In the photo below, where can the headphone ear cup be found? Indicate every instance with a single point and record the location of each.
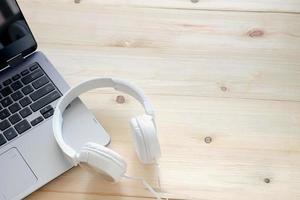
(145, 139)
(138, 139)
(104, 161)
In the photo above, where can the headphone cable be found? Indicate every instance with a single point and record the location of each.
(146, 184)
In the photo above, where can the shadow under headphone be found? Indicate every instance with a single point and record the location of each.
(98, 157)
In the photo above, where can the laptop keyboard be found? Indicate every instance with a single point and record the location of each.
(22, 95)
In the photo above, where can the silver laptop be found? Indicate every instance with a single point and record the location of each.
(29, 89)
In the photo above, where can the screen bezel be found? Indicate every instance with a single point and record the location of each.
(21, 46)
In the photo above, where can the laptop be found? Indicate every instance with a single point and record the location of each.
(29, 89)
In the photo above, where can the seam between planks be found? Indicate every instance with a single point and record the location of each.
(102, 194)
(204, 96)
(204, 9)
(214, 10)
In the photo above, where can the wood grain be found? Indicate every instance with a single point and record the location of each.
(252, 55)
(292, 6)
(232, 76)
(252, 140)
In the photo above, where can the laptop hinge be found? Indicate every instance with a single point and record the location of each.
(16, 60)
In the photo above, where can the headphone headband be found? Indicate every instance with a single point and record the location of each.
(85, 86)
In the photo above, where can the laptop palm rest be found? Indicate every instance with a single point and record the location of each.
(15, 174)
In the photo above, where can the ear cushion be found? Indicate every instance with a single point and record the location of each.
(139, 141)
(103, 160)
(145, 139)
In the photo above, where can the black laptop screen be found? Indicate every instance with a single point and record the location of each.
(15, 35)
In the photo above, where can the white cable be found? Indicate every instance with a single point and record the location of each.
(145, 183)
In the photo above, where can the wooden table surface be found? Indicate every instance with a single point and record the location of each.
(227, 71)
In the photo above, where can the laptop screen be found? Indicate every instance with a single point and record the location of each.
(15, 35)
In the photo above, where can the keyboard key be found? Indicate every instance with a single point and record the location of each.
(10, 134)
(42, 91)
(25, 112)
(36, 121)
(14, 108)
(6, 102)
(34, 67)
(17, 95)
(31, 77)
(7, 82)
(25, 101)
(16, 85)
(45, 101)
(24, 72)
(2, 140)
(40, 82)
(46, 109)
(27, 89)
(6, 91)
(22, 126)
(48, 114)
(4, 125)
(16, 77)
(14, 118)
(4, 114)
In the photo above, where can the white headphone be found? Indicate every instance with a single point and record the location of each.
(98, 157)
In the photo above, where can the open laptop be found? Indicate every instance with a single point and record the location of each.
(29, 89)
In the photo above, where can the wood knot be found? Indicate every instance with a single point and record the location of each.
(120, 99)
(223, 88)
(194, 1)
(207, 140)
(255, 33)
(267, 180)
(77, 1)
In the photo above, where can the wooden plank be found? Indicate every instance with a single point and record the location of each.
(224, 5)
(251, 140)
(231, 76)
(223, 54)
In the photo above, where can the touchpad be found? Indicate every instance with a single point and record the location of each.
(15, 174)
